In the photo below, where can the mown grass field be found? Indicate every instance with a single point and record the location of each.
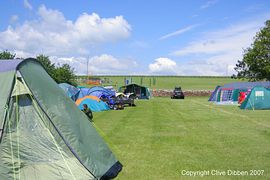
(169, 82)
(160, 137)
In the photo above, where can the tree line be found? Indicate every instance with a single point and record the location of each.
(60, 73)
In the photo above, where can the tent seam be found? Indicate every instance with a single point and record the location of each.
(17, 123)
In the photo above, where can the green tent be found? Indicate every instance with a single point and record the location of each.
(43, 134)
(140, 91)
(258, 98)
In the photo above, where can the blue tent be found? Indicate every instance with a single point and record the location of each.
(96, 91)
(83, 92)
(70, 90)
(94, 105)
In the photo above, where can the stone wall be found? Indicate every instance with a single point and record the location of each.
(168, 93)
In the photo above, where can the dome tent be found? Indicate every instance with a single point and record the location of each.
(93, 102)
(97, 91)
(43, 132)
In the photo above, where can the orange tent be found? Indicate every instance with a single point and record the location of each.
(91, 97)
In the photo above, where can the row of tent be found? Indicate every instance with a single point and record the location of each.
(43, 134)
(92, 96)
(74, 93)
(89, 96)
(257, 94)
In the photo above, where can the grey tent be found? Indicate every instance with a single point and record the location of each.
(43, 134)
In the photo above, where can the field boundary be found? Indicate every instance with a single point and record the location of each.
(168, 93)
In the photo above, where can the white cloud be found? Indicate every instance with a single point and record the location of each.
(107, 64)
(219, 50)
(233, 38)
(27, 5)
(52, 34)
(166, 66)
(163, 66)
(78, 63)
(208, 4)
(178, 32)
(98, 65)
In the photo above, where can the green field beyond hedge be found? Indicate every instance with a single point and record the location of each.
(159, 138)
(168, 82)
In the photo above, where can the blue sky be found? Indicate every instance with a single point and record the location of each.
(202, 37)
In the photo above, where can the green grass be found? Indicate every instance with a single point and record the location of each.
(164, 82)
(160, 137)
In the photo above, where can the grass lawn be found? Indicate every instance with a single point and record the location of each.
(160, 137)
(164, 82)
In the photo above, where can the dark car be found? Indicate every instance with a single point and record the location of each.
(178, 93)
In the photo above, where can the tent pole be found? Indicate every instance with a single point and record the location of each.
(17, 124)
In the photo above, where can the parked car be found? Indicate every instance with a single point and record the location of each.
(178, 93)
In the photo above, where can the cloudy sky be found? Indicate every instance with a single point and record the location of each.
(164, 37)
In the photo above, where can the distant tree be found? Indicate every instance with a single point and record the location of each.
(6, 55)
(48, 65)
(255, 64)
(61, 74)
(65, 73)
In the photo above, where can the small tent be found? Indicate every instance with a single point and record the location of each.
(140, 91)
(43, 133)
(258, 98)
(70, 90)
(93, 102)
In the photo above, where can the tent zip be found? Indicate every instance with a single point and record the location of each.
(57, 130)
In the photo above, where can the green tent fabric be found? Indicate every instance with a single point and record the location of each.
(258, 98)
(43, 134)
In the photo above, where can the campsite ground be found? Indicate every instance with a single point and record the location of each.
(159, 138)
